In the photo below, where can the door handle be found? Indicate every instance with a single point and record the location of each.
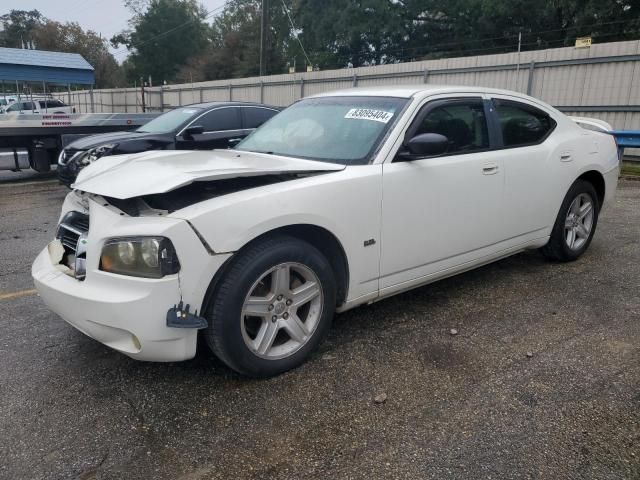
(490, 169)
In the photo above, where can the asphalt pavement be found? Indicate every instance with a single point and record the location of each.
(541, 381)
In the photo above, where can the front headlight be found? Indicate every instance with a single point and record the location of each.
(148, 257)
(94, 154)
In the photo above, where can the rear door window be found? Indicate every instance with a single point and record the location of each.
(521, 124)
(220, 119)
(255, 116)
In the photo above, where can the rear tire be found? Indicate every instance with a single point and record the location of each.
(575, 225)
(272, 308)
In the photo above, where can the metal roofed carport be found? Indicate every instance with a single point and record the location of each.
(39, 66)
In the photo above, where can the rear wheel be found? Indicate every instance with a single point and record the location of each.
(272, 308)
(576, 223)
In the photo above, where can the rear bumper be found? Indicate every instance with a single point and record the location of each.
(125, 313)
(610, 186)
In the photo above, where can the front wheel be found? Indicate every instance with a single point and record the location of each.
(273, 307)
(576, 223)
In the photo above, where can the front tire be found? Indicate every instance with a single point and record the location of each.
(576, 224)
(272, 308)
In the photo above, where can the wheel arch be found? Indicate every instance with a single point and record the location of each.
(321, 238)
(596, 179)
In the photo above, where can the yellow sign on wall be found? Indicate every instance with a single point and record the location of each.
(583, 42)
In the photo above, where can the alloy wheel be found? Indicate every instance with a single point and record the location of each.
(579, 222)
(281, 311)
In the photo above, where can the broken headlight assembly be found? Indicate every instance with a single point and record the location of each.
(94, 154)
(147, 257)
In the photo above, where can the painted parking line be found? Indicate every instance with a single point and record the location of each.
(14, 295)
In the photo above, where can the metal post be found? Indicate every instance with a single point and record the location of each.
(180, 97)
(201, 94)
(113, 108)
(161, 98)
(425, 76)
(44, 91)
(93, 107)
(144, 107)
(532, 68)
(261, 91)
(302, 88)
(355, 80)
(230, 93)
(69, 93)
(125, 101)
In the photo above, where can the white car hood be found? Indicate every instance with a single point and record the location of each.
(128, 176)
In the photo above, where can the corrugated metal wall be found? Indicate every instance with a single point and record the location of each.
(602, 81)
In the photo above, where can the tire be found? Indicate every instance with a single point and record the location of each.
(289, 328)
(564, 246)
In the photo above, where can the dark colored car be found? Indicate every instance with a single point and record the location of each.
(202, 126)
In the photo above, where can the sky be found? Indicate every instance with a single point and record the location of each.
(106, 17)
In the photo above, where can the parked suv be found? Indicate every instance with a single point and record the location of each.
(39, 106)
(202, 126)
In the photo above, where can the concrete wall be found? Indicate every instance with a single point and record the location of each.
(602, 81)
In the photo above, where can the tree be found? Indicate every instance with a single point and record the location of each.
(17, 27)
(164, 37)
(234, 50)
(338, 33)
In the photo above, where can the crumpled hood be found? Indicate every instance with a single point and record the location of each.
(128, 176)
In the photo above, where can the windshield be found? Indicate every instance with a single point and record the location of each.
(170, 121)
(344, 130)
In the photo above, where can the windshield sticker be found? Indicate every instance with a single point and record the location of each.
(369, 114)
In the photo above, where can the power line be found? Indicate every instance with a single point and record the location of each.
(295, 33)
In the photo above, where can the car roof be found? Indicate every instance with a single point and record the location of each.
(423, 91)
(409, 91)
(205, 105)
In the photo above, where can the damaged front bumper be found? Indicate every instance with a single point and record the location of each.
(129, 314)
(126, 314)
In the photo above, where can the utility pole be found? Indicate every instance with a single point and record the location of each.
(264, 29)
(519, 51)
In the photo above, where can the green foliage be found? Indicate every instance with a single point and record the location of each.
(17, 27)
(164, 37)
(173, 40)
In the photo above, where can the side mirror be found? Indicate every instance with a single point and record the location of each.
(425, 145)
(189, 132)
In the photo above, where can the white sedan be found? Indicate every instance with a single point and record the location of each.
(342, 199)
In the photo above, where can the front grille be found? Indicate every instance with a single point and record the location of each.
(73, 225)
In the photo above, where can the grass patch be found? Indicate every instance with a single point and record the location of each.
(631, 168)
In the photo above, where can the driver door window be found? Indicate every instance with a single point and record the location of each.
(462, 122)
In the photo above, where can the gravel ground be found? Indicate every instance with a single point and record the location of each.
(542, 380)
